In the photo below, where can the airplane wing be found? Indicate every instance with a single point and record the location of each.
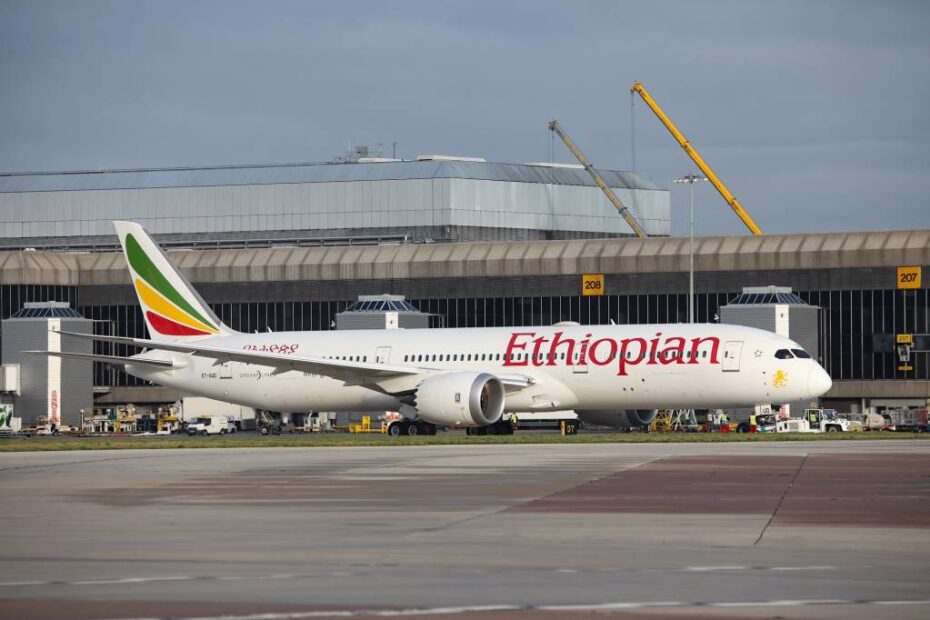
(110, 359)
(390, 377)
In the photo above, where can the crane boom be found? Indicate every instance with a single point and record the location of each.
(611, 196)
(693, 154)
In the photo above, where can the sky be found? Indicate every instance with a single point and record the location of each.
(814, 113)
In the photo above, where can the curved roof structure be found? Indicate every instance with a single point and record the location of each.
(814, 251)
(274, 174)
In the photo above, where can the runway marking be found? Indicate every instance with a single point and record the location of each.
(608, 606)
(297, 576)
(593, 607)
(787, 603)
(707, 569)
(124, 580)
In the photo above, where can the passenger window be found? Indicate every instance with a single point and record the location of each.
(783, 354)
(801, 353)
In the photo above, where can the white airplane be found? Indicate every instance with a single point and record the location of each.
(609, 374)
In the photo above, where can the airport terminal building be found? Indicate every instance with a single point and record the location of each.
(472, 243)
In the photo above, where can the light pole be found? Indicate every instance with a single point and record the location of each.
(690, 179)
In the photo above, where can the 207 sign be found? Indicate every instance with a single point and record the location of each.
(909, 277)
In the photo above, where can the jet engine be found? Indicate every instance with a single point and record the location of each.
(624, 418)
(465, 399)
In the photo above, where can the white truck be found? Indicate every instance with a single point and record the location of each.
(211, 425)
(814, 421)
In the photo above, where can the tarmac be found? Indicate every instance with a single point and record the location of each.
(837, 529)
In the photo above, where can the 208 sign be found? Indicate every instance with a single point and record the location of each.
(592, 284)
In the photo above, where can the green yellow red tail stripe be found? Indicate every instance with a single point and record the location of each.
(168, 327)
(165, 309)
(168, 313)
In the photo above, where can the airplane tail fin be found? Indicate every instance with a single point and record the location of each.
(172, 308)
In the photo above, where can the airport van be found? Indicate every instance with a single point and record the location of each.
(211, 425)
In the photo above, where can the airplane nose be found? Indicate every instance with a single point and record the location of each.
(818, 381)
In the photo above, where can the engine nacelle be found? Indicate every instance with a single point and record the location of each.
(624, 418)
(465, 399)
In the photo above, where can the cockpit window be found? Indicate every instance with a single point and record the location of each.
(783, 354)
(801, 353)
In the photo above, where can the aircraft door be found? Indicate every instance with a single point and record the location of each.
(382, 355)
(731, 355)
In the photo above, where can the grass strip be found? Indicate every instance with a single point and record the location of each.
(344, 440)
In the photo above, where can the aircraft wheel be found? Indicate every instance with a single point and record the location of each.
(394, 429)
(413, 429)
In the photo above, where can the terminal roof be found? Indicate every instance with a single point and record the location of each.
(271, 174)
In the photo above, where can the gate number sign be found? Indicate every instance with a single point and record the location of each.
(592, 284)
(909, 277)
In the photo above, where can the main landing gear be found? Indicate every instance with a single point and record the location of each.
(411, 428)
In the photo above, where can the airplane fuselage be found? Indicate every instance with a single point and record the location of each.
(603, 367)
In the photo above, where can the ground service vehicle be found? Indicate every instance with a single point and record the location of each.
(814, 421)
(211, 425)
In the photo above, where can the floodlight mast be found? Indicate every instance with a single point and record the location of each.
(690, 180)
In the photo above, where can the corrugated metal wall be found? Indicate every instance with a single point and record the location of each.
(76, 391)
(353, 205)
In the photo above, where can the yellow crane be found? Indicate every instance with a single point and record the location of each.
(611, 196)
(693, 154)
